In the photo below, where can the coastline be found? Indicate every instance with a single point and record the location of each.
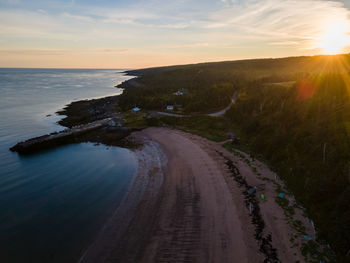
(95, 109)
(52, 201)
(182, 209)
(145, 187)
(168, 213)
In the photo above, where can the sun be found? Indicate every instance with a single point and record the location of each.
(335, 38)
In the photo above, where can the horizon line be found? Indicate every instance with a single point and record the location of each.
(173, 65)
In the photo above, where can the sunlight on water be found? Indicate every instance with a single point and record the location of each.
(53, 202)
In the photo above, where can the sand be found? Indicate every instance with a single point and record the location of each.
(184, 206)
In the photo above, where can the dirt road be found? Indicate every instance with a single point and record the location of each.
(222, 112)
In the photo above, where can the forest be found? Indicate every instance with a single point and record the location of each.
(293, 113)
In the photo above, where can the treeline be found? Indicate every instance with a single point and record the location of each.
(303, 132)
(293, 112)
(210, 86)
(202, 90)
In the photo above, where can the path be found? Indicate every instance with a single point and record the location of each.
(222, 112)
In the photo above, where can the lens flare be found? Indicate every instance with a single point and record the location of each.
(335, 38)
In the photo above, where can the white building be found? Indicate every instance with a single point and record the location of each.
(170, 107)
(135, 110)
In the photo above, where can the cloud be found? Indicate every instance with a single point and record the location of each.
(77, 17)
(284, 43)
(115, 50)
(191, 45)
(299, 20)
(12, 2)
(42, 11)
(205, 28)
(55, 52)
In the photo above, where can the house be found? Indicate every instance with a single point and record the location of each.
(116, 123)
(170, 107)
(181, 92)
(112, 123)
(135, 110)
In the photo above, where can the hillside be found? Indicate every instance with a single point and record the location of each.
(211, 85)
(294, 113)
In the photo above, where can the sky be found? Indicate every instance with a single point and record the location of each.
(146, 33)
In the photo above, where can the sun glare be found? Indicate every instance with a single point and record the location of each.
(335, 38)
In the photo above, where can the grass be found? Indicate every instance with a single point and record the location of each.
(287, 111)
(212, 128)
(135, 120)
(311, 250)
(313, 253)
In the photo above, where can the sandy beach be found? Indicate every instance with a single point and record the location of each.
(184, 206)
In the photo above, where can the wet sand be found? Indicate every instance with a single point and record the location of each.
(184, 206)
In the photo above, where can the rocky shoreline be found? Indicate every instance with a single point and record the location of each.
(86, 111)
(95, 121)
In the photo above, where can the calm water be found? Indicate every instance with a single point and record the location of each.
(51, 203)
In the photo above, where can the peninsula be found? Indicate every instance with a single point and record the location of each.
(242, 161)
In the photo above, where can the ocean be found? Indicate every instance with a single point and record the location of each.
(52, 203)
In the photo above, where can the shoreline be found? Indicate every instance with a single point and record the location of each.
(135, 232)
(170, 213)
(146, 183)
